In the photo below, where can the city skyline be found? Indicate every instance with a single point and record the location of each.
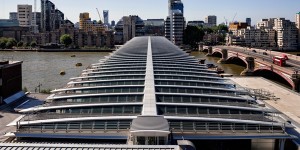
(194, 9)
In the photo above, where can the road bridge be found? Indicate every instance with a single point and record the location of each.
(255, 64)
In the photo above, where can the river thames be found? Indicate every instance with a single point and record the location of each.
(45, 67)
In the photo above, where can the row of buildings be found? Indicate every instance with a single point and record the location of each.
(273, 33)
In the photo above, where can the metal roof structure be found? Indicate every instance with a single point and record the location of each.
(150, 87)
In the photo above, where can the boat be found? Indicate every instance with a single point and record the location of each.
(62, 72)
(78, 64)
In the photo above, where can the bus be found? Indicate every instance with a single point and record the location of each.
(280, 61)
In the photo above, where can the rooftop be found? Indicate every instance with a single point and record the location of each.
(150, 87)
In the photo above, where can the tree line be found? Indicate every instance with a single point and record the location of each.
(194, 34)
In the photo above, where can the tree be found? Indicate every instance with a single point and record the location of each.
(192, 35)
(3, 42)
(20, 44)
(11, 42)
(66, 40)
(33, 44)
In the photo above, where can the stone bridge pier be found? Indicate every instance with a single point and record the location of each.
(210, 51)
(296, 79)
(201, 47)
(250, 67)
(224, 58)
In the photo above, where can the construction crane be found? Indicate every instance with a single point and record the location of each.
(226, 21)
(234, 17)
(99, 15)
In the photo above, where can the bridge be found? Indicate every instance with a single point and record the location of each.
(255, 65)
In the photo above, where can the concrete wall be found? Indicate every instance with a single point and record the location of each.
(263, 144)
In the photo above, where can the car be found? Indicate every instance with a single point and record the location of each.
(254, 51)
(265, 53)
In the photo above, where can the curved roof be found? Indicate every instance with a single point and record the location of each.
(172, 89)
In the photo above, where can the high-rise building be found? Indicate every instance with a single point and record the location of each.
(106, 17)
(51, 18)
(47, 15)
(36, 21)
(298, 27)
(174, 24)
(129, 27)
(211, 20)
(248, 21)
(286, 34)
(155, 27)
(13, 15)
(113, 23)
(25, 15)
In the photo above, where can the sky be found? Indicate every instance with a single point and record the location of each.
(157, 9)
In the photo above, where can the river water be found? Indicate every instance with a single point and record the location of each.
(44, 68)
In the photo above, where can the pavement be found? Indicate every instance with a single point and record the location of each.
(8, 114)
(287, 101)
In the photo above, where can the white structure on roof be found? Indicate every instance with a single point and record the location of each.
(149, 92)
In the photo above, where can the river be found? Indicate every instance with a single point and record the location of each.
(44, 68)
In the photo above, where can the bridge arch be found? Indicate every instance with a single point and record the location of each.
(217, 54)
(237, 60)
(268, 72)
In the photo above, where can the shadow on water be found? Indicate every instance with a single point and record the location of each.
(234, 69)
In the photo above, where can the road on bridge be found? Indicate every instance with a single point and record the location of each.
(293, 62)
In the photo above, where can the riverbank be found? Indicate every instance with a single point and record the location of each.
(58, 50)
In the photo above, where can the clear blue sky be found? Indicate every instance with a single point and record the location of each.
(146, 9)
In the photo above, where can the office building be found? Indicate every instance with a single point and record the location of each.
(87, 25)
(106, 17)
(266, 23)
(36, 22)
(175, 22)
(287, 34)
(51, 18)
(25, 15)
(129, 27)
(155, 27)
(253, 37)
(248, 21)
(12, 30)
(211, 20)
(9, 23)
(13, 15)
(149, 94)
(113, 23)
(298, 27)
(198, 23)
(234, 26)
(10, 79)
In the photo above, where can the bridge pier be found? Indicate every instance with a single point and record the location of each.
(296, 79)
(224, 58)
(201, 47)
(210, 51)
(250, 67)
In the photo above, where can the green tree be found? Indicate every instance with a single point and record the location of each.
(66, 40)
(20, 44)
(3, 42)
(11, 42)
(33, 44)
(192, 35)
